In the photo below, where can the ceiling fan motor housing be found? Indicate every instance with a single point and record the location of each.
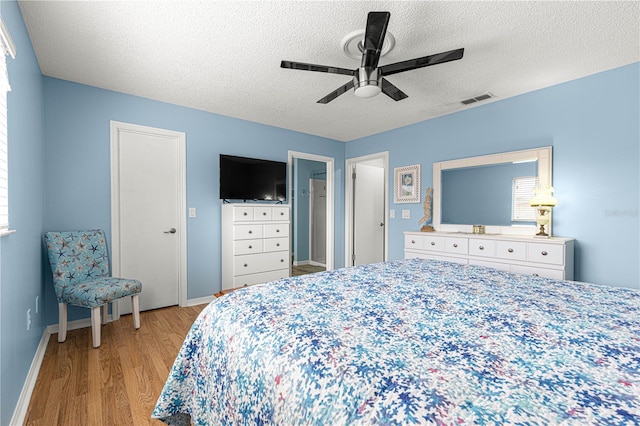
(367, 82)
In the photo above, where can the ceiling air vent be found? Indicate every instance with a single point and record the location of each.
(477, 99)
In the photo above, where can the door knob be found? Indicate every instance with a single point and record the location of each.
(170, 231)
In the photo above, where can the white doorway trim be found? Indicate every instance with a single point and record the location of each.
(380, 157)
(180, 137)
(329, 161)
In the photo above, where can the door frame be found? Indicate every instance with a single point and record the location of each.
(348, 205)
(329, 164)
(116, 128)
(311, 221)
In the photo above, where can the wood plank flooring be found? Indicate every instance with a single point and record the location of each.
(115, 384)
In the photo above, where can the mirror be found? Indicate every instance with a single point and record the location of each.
(478, 190)
(311, 195)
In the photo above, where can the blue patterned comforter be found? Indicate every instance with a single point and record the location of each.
(411, 342)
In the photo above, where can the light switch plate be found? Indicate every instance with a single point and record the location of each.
(192, 212)
(406, 214)
(392, 214)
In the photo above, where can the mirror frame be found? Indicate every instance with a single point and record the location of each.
(542, 155)
(329, 162)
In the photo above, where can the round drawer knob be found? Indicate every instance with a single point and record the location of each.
(455, 245)
(246, 285)
(250, 231)
(536, 275)
(277, 244)
(264, 213)
(245, 265)
(413, 241)
(544, 253)
(510, 250)
(250, 247)
(433, 243)
(277, 230)
(281, 213)
(245, 213)
(281, 260)
(481, 247)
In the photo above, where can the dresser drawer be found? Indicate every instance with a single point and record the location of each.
(557, 274)
(275, 244)
(514, 250)
(413, 242)
(241, 214)
(546, 253)
(263, 277)
(276, 230)
(263, 262)
(247, 232)
(456, 245)
(489, 264)
(433, 243)
(485, 248)
(262, 213)
(280, 213)
(247, 246)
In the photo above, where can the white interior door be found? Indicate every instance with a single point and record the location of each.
(318, 221)
(368, 215)
(149, 225)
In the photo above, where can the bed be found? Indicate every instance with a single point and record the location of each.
(410, 342)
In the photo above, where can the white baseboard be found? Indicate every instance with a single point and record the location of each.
(22, 406)
(74, 325)
(314, 263)
(200, 300)
(301, 263)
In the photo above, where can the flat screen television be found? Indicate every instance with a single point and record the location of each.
(244, 178)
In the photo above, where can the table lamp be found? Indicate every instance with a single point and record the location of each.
(543, 202)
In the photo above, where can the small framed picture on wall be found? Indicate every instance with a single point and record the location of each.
(407, 184)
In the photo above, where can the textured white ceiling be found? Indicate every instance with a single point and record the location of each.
(224, 57)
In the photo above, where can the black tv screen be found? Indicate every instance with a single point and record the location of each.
(244, 178)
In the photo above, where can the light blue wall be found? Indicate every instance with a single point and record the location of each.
(21, 253)
(593, 125)
(77, 170)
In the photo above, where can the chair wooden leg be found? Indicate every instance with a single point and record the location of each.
(62, 322)
(95, 326)
(105, 312)
(135, 310)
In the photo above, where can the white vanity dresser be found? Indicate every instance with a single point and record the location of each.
(549, 257)
(507, 244)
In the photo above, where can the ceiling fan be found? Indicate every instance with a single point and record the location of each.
(368, 80)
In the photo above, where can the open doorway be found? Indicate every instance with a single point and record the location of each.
(366, 205)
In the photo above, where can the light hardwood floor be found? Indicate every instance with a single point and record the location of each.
(115, 384)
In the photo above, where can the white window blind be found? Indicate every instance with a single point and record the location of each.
(522, 192)
(8, 48)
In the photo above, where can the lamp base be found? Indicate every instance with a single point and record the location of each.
(541, 233)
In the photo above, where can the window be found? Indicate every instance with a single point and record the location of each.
(522, 192)
(8, 48)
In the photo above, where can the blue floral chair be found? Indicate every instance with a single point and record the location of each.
(80, 265)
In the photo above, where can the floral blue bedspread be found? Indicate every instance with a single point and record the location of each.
(411, 342)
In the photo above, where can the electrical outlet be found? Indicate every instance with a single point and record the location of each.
(406, 214)
(28, 319)
(392, 214)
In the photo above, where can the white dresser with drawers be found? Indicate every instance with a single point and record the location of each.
(548, 257)
(255, 244)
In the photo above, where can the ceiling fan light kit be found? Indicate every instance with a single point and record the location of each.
(368, 82)
(368, 79)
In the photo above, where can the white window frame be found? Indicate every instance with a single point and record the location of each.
(8, 48)
(522, 191)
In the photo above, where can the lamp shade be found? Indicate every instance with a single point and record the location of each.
(543, 197)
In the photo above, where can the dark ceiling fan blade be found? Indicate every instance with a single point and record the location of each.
(313, 67)
(339, 91)
(374, 38)
(392, 91)
(411, 64)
